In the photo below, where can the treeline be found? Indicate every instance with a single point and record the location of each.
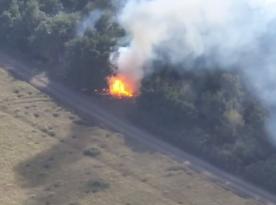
(212, 115)
(208, 113)
(47, 31)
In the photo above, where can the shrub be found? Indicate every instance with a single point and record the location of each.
(95, 186)
(56, 115)
(92, 152)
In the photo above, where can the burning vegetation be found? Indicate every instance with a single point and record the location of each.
(120, 87)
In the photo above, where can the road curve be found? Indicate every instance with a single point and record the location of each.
(86, 106)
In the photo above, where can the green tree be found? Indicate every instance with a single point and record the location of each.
(87, 60)
(51, 7)
(263, 173)
(49, 37)
(10, 17)
(73, 5)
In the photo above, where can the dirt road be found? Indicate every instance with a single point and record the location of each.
(90, 108)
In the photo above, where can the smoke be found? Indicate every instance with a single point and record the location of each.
(229, 34)
(89, 22)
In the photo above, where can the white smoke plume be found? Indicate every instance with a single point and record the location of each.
(89, 22)
(225, 33)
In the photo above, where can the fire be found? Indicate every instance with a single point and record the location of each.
(120, 87)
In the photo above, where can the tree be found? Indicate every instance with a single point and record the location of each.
(87, 57)
(49, 38)
(73, 5)
(10, 17)
(263, 173)
(51, 7)
(87, 60)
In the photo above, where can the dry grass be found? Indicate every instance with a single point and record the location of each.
(43, 161)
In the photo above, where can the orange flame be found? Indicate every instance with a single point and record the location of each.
(120, 87)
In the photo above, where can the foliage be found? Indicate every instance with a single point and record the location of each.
(92, 152)
(46, 31)
(95, 186)
(213, 115)
(49, 37)
(87, 56)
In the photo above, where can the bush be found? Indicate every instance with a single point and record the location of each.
(95, 186)
(92, 152)
(56, 115)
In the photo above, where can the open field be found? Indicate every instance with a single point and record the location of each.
(49, 156)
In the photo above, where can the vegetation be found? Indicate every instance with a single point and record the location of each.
(48, 32)
(95, 186)
(92, 152)
(213, 115)
(208, 113)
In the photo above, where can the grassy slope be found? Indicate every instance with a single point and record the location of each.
(42, 161)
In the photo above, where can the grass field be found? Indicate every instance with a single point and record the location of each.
(49, 156)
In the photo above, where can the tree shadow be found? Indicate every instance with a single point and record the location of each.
(54, 176)
(62, 174)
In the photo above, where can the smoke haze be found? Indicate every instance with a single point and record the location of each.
(89, 22)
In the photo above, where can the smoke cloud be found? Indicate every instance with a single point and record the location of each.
(187, 30)
(230, 34)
